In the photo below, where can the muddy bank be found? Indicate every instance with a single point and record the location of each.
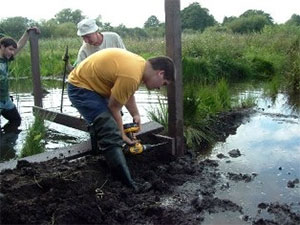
(182, 190)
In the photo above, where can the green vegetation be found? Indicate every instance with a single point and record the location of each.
(51, 53)
(197, 18)
(207, 56)
(33, 142)
(201, 103)
(160, 114)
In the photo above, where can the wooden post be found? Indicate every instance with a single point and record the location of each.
(35, 68)
(175, 93)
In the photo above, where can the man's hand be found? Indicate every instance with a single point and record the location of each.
(22, 41)
(128, 140)
(65, 58)
(36, 29)
(137, 120)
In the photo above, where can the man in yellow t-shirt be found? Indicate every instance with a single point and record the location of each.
(105, 82)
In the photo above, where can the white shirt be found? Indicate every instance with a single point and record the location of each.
(110, 40)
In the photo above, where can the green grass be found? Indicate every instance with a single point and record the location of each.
(200, 104)
(34, 139)
(51, 52)
(160, 113)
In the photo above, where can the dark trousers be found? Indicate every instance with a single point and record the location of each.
(13, 117)
(88, 103)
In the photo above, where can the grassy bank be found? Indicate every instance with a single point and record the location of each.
(207, 56)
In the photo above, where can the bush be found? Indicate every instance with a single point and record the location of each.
(244, 25)
(33, 141)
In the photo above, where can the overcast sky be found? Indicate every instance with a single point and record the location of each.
(133, 13)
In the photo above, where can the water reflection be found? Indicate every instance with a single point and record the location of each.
(270, 147)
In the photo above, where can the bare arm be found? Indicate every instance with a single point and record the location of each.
(115, 107)
(133, 110)
(23, 40)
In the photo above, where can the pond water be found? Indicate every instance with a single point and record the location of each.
(58, 135)
(269, 143)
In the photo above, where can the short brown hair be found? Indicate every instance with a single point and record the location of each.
(7, 41)
(164, 63)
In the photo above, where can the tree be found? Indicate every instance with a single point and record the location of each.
(152, 21)
(250, 21)
(195, 17)
(294, 20)
(65, 30)
(107, 27)
(15, 26)
(67, 15)
(138, 33)
(47, 28)
(228, 19)
(248, 24)
(253, 12)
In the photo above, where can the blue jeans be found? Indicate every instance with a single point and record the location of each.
(89, 103)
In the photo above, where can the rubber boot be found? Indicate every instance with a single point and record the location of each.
(117, 162)
(111, 142)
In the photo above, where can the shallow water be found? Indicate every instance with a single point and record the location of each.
(269, 143)
(58, 135)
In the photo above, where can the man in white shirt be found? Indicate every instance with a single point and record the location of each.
(94, 41)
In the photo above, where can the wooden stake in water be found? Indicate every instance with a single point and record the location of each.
(35, 68)
(66, 59)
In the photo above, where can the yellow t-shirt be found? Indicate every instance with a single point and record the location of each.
(111, 71)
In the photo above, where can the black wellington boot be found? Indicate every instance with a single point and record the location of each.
(117, 162)
(111, 142)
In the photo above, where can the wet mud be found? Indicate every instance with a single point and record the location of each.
(182, 191)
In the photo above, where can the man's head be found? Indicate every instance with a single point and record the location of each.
(87, 29)
(8, 47)
(159, 72)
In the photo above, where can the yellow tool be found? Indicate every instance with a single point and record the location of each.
(130, 129)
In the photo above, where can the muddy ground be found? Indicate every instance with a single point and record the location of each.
(83, 192)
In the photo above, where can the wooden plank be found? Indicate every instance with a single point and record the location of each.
(35, 68)
(175, 89)
(80, 124)
(63, 119)
(71, 152)
(151, 127)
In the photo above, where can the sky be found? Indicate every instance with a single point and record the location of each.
(134, 13)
